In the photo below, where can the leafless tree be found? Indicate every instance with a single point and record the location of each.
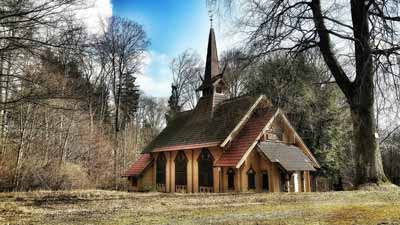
(366, 31)
(187, 69)
(122, 48)
(235, 65)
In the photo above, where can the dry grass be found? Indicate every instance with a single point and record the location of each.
(108, 207)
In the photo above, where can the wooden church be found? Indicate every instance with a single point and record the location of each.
(222, 145)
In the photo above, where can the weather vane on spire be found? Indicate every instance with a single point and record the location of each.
(211, 5)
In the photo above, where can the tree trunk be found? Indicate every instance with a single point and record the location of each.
(368, 157)
(367, 154)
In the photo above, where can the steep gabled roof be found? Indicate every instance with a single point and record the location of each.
(138, 166)
(250, 134)
(246, 137)
(196, 129)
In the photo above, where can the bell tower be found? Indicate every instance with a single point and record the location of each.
(213, 87)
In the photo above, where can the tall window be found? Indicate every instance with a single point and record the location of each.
(265, 181)
(251, 178)
(180, 169)
(160, 169)
(231, 179)
(205, 168)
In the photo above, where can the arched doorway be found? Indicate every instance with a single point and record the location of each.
(161, 164)
(180, 172)
(205, 162)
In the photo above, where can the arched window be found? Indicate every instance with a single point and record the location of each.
(251, 178)
(160, 168)
(231, 179)
(205, 162)
(180, 168)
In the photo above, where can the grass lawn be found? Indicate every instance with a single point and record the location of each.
(108, 207)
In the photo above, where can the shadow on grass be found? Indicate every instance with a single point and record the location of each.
(57, 200)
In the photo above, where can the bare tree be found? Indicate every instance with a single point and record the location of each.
(27, 29)
(368, 34)
(235, 65)
(122, 48)
(186, 71)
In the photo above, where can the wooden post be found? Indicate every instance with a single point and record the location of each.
(172, 173)
(189, 170)
(168, 172)
(195, 168)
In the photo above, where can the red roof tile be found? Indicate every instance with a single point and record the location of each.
(246, 137)
(138, 166)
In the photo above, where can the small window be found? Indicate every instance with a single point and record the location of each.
(231, 179)
(134, 181)
(251, 179)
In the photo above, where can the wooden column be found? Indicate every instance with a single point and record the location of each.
(172, 173)
(238, 179)
(308, 181)
(296, 183)
(216, 178)
(155, 172)
(195, 167)
(287, 180)
(168, 172)
(189, 170)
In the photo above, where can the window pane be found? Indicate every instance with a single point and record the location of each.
(205, 168)
(160, 169)
(180, 169)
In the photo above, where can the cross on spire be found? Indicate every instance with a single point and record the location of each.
(211, 5)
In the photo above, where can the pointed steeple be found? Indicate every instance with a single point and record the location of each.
(212, 65)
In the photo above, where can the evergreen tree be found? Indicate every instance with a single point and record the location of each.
(314, 106)
(173, 104)
(129, 99)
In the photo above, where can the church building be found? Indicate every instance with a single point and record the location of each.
(223, 145)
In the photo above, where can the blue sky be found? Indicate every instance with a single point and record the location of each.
(172, 26)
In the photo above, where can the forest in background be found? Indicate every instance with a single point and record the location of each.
(73, 117)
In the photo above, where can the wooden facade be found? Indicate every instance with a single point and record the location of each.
(268, 176)
(241, 144)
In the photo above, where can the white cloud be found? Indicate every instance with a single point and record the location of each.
(155, 79)
(95, 13)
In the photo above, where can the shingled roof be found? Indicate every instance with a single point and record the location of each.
(196, 129)
(290, 157)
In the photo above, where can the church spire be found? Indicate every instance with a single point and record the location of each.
(213, 87)
(212, 66)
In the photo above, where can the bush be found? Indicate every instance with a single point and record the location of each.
(54, 176)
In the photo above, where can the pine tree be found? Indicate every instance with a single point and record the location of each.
(173, 104)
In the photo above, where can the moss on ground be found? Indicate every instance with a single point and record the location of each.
(109, 207)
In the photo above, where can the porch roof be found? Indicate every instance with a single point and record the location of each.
(290, 157)
(138, 166)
